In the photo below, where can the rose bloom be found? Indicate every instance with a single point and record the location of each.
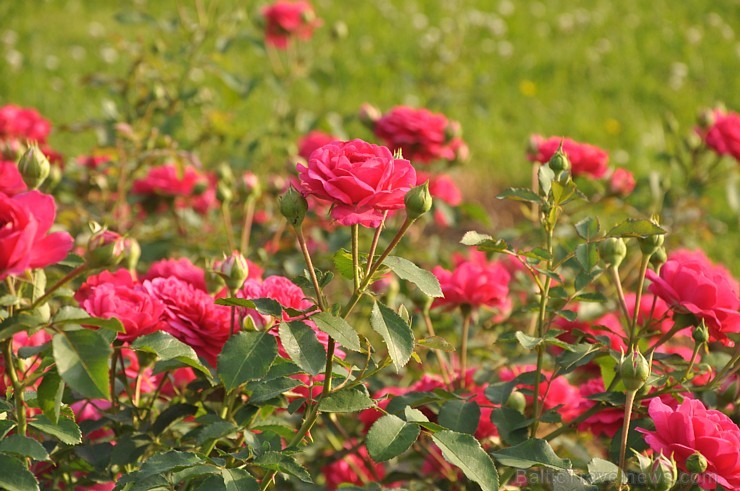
(608, 421)
(621, 182)
(192, 316)
(187, 186)
(312, 141)
(285, 20)
(586, 160)
(422, 136)
(556, 392)
(18, 123)
(11, 181)
(690, 283)
(181, 268)
(475, 282)
(353, 469)
(724, 135)
(139, 313)
(690, 428)
(442, 187)
(25, 220)
(360, 179)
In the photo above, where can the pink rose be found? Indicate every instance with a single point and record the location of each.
(186, 186)
(556, 393)
(621, 182)
(25, 220)
(121, 277)
(192, 316)
(477, 283)
(312, 141)
(360, 179)
(608, 421)
(586, 160)
(354, 468)
(724, 135)
(139, 313)
(422, 136)
(179, 268)
(17, 123)
(442, 187)
(11, 181)
(690, 428)
(690, 283)
(285, 20)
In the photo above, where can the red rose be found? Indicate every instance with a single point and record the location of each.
(423, 136)
(724, 135)
(362, 181)
(442, 187)
(11, 181)
(312, 141)
(690, 428)
(25, 220)
(690, 283)
(354, 468)
(192, 316)
(121, 277)
(188, 187)
(182, 269)
(556, 392)
(285, 20)
(621, 182)
(18, 123)
(586, 160)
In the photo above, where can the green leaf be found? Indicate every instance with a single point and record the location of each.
(587, 256)
(215, 431)
(588, 228)
(339, 329)
(569, 481)
(464, 452)
(389, 437)
(545, 176)
(530, 453)
(396, 333)
(578, 355)
(436, 342)
(484, 242)
(15, 477)
(343, 264)
(346, 401)
(265, 306)
(281, 462)
(75, 315)
(265, 390)
(170, 461)
(167, 347)
(512, 425)
(23, 446)
(406, 270)
(601, 471)
(236, 479)
(65, 430)
(459, 416)
(246, 356)
(301, 344)
(82, 360)
(528, 342)
(521, 194)
(633, 227)
(170, 415)
(50, 393)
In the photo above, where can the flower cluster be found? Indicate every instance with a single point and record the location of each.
(184, 187)
(286, 20)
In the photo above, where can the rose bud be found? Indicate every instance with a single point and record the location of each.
(559, 162)
(251, 185)
(658, 258)
(634, 370)
(418, 201)
(105, 249)
(650, 244)
(696, 463)
(663, 474)
(369, 115)
(34, 167)
(224, 193)
(517, 401)
(293, 206)
(613, 251)
(234, 269)
(700, 332)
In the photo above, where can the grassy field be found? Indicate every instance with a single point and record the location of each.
(596, 70)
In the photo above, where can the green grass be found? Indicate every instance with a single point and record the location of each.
(599, 71)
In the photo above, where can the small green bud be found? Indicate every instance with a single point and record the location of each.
(105, 249)
(200, 187)
(224, 193)
(225, 174)
(696, 463)
(634, 370)
(293, 206)
(559, 162)
(663, 474)
(700, 332)
(517, 401)
(418, 201)
(613, 251)
(658, 258)
(34, 167)
(650, 244)
(234, 269)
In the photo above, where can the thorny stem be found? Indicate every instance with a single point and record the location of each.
(374, 244)
(625, 433)
(614, 272)
(544, 297)
(309, 265)
(356, 255)
(68, 277)
(18, 395)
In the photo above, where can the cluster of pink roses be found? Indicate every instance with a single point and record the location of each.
(20, 126)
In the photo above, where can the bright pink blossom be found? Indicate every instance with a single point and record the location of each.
(353, 469)
(586, 160)
(442, 187)
(690, 283)
(312, 141)
(360, 179)
(690, 428)
(11, 181)
(724, 135)
(621, 182)
(186, 186)
(121, 277)
(422, 136)
(285, 20)
(25, 220)
(181, 268)
(555, 392)
(18, 123)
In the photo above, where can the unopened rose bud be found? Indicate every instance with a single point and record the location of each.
(634, 370)
(293, 206)
(105, 249)
(650, 244)
(658, 258)
(696, 463)
(559, 162)
(418, 201)
(517, 401)
(700, 333)
(613, 251)
(369, 115)
(251, 184)
(453, 130)
(34, 167)
(234, 269)
(225, 174)
(224, 193)
(663, 474)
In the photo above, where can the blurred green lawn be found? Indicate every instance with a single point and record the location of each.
(602, 71)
